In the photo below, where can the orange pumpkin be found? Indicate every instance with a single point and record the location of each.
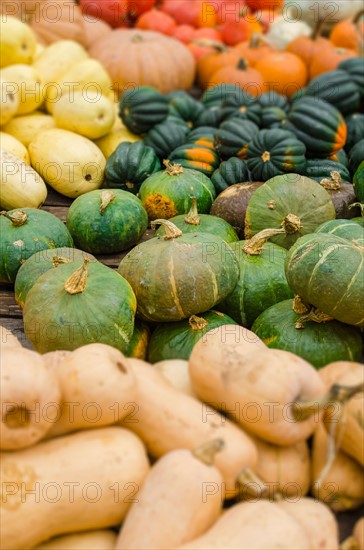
(184, 33)
(329, 61)
(156, 20)
(198, 13)
(349, 33)
(248, 79)
(228, 10)
(306, 47)
(282, 72)
(256, 5)
(253, 49)
(234, 32)
(199, 52)
(219, 58)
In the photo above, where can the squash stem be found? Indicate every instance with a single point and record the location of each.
(206, 452)
(252, 484)
(254, 246)
(350, 543)
(106, 198)
(170, 230)
(173, 169)
(78, 280)
(333, 183)
(17, 218)
(299, 306)
(316, 33)
(242, 64)
(220, 47)
(197, 323)
(59, 260)
(358, 16)
(192, 216)
(291, 224)
(315, 316)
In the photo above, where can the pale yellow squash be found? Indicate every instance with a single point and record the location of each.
(176, 372)
(107, 144)
(91, 540)
(26, 128)
(17, 42)
(12, 145)
(27, 84)
(9, 101)
(56, 59)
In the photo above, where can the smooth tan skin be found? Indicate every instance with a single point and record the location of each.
(99, 383)
(176, 372)
(29, 395)
(317, 520)
(8, 339)
(167, 419)
(106, 466)
(264, 383)
(359, 532)
(92, 540)
(332, 372)
(173, 507)
(259, 525)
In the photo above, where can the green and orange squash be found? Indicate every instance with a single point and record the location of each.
(196, 157)
(233, 136)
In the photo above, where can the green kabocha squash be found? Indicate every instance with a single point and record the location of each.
(336, 88)
(196, 157)
(346, 229)
(313, 336)
(139, 342)
(176, 340)
(243, 106)
(262, 280)
(78, 304)
(318, 124)
(274, 152)
(328, 272)
(25, 232)
(178, 275)
(165, 137)
(230, 172)
(141, 108)
(193, 222)
(129, 165)
(355, 125)
(187, 108)
(167, 193)
(273, 99)
(342, 195)
(358, 182)
(106, 221)
(233, 136)
(40, 263)
(217, 95)
(291, 202)
(355, 69)
(318, 169)
(356, 156)
(272, 117)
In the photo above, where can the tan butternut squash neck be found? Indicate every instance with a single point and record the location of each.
(337, 394)
(252, 484)
(17, 217)
(77, 282)
(206, 452)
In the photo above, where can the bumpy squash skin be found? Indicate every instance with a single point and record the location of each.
(173, 279)
(176, 340)
(40, 263)
(119, 226)
(262, 283)
(230, 172)
(103, 312)
(142, 108)
(233, 136)
(327, 272)
(196, 157)
(165, 137)
(346, 229)
(208, 224)
(318, 343)
(41, 231)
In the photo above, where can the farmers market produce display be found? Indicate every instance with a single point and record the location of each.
(182, 280)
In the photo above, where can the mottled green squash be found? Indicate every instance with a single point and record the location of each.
(138, 346)
(178, 275)
(176, 340)
(25, 232)
(233, 136)
(167, 193)
(165, 137)
(292, 202)
(230, 172)
(203, 135)
(141, 108)
(307, 335)
(340, 156)
(346, 229)
(328, 272)
(106, 221)
(196, 157)
(78, 304)
(40, 263)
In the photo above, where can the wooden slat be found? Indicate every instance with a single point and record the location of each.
(8, 305)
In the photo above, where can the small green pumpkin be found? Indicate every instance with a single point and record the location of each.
(243, 106)
(318, 169)
(77, 304)
(328, 272)
(272, 117)
(216, 95)
(40, 263)
(233, 136)
(336, 88)
(307, 334)
(354, 66)
(176, 340)
(196, 157)
(186, 107)
(355, 125)
(106, 222)
(167, 193)
(358, 182)
(141, 108)
(291, 202)
(274, 152)
(230, 172)
(165, 137)
(25, 232)
(346, 229)
(273, 99)
(129, 165)
(178, 275)
(356, 156)
(139, 342)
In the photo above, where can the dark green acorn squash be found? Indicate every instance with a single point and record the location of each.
(230, 172)
(355, 125)
(272, 117)
(356, 156)
(318, 169)
(308, 335)
(212, 116)
(216, 96)
(40, 263)
(243, 106)
(25, 232)
(233, 136)
(291, 202)
(106, 222)
(328, 272)
(167, 193)
(318, 124)
(177, 120)
(129, 165)
(341, 157)
(274, 152)
(346, 229)
(176, 340)
(141, 108)
(262, 280)
(165, 137)
(358, 182)
(355, 69)
(196, 157)
(273, 99)
(178, 275)
(139, 342)
(336, 88)
(203, 135)
(78, 304)
(187, 108)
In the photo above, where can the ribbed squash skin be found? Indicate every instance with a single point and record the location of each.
(355, 125)
(175, 278)
(233, 136)
(139, 342)
(176, 340)
(346, 229)
(103, 312)
(318, 169)
(356, 156)
(274, 152)
(336, 88)
(41, 231)
(243, 106)
(272, 99)
(340, 156)
(272, 117)
(202, 135)
(165, 137)
(319, 125)
(358, 182)
(208, 224)
(318, 343)
(212, 116)
(262, 283)
(328, 272)
(129, 165)
(141, 108)
(186, 107)
(230, 172)
(216, 95)
(355, 68)
(40, 263)
(196, 157)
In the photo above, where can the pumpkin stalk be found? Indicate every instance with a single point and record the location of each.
(207, 43)
(358, 16)
(317, 29)
(173, 169)
(78, 280)
(315, 316)
(299, 306)
(242, 64)
(170, 230)
(17, 218)
(291, 224)
(333, 183)
(59, 260)
(254, 246)
(197, 323)
(265, 156)
(192, 216)
(206, 452)
(106, 198)
(253, 485)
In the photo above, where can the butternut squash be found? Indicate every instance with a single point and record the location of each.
(180, 499)
(167, 419)
(29, 395)
(332, 372)
(54, 358)
(8, 339)
(258, 388)
(78, 482)
(176, 372)
(359, 532)
(92, 540)
(98, 388)
(261, 525)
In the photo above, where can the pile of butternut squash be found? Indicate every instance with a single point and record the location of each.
(242, 447)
